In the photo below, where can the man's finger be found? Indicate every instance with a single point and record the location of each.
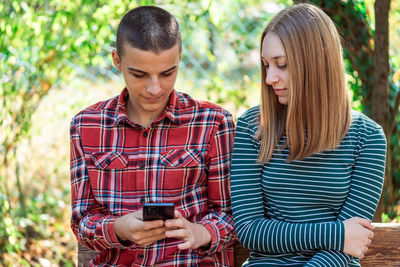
(151, 240)
(177, 214)
(179, 222)
(138, 214)
(179, 233)
(185, 245)
(148, 225)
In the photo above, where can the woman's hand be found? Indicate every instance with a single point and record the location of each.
(358, 236)
(193, 235)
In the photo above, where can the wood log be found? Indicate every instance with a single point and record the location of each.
(384, 250)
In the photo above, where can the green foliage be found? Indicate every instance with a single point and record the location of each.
(220, 49)
(354, 25)
(355, 22)
(46, 44)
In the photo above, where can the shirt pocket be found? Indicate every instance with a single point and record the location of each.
(106, 170)
(182, 169)
(109, 160)
(180, 158)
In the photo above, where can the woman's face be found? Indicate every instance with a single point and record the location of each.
(274, 58)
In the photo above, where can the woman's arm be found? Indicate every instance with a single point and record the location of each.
(365, 190)
(256, 232)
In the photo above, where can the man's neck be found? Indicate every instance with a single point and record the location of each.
(144, 119)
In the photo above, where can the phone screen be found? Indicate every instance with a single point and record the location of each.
(158, 211)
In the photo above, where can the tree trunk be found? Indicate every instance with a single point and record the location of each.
(380, 92)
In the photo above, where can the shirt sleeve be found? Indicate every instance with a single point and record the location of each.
(219, 221)
(90, 222)
(254, 230)
(365, 190)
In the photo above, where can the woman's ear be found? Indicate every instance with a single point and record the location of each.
(116, 59)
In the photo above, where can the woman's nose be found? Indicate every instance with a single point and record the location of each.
(271, 77)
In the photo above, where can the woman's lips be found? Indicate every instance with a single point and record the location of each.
(279, 92)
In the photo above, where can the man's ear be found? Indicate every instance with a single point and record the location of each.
(116, 59)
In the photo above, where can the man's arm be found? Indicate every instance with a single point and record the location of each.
(219, 221)
(90, 222)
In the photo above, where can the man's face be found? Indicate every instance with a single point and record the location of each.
(149, 77)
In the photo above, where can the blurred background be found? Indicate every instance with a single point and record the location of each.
(55, 59)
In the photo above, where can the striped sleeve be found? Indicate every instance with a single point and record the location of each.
(254, 230)
(365, 190)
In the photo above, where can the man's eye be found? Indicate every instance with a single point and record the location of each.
(282, 66)
(138, 75)
(167, 74)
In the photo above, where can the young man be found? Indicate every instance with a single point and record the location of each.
(152, 144)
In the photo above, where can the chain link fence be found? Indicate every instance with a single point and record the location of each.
(221, 61)
(221, 43)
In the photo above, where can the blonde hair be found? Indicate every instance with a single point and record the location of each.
(318, 113)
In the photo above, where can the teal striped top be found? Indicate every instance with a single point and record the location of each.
(290, 214)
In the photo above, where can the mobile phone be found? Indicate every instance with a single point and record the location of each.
(158, 211)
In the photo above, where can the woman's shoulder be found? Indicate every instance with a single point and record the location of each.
(361, 122)
(365, 130)
(251, 116)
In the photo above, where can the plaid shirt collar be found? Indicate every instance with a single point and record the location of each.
(170, 112)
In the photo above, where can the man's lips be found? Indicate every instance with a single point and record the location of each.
(153, 99)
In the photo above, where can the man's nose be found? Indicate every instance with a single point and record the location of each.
(153, 86)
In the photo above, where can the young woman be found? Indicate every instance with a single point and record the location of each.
(307, 171)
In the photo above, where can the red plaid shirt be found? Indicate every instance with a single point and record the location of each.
(183, 157)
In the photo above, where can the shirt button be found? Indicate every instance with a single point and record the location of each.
(140, 256)
(108, 161)
(180, 160)
(142, 166)
(145, 134)
(142, 200)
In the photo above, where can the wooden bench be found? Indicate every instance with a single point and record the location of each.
(384, 250)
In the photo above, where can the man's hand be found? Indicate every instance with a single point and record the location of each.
(131, 227)
(193, 235)
(358, 236)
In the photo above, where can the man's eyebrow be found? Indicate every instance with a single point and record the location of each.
(172, 68)
(136, 70)
(133, 69)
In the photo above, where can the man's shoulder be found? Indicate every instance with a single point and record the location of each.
(97, 109)
(187, 102)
